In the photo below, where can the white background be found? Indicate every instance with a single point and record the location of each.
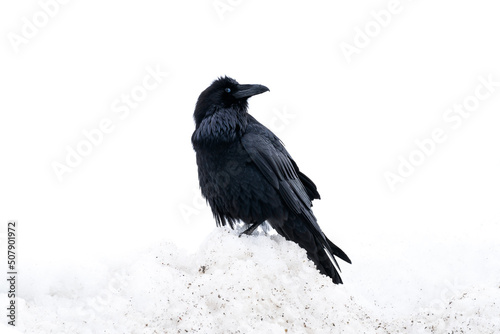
(347, 121)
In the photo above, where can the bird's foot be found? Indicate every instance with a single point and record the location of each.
(251, 229)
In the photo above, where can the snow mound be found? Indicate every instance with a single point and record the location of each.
(252, 284)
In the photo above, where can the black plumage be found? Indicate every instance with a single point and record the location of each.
(247, 175)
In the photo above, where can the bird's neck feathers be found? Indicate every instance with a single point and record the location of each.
(220, 127)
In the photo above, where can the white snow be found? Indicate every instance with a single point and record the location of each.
(265, 284)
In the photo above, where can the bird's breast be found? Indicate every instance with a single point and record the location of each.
(222, 167)
(233, 185)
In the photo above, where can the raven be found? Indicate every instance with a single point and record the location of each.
(247, 175)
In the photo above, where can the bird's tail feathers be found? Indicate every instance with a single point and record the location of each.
(335, 250)
(319, 248)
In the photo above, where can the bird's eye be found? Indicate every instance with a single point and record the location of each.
(227, 90)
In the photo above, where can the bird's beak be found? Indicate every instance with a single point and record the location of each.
(244, 91)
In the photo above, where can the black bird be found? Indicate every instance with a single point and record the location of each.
(247, 175)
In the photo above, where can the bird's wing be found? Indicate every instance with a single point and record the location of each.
(296, 189)
(268, 139)
(278, 167)
(311, 189)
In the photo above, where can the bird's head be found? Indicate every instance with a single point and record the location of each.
(225, 93)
